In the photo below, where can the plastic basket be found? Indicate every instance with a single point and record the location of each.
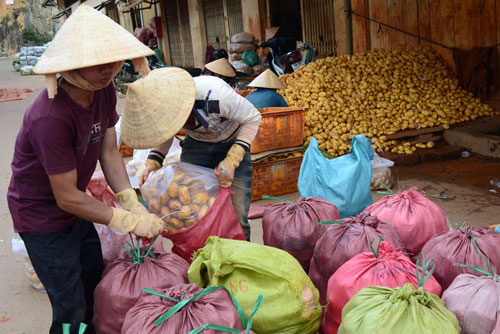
(280, 128)
(275, 178)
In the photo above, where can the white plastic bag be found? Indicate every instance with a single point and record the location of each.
(118, 133)
(136, 165)
(182, 187)
(381, 170)
(19, 248)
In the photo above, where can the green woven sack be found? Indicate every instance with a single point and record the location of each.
(381, 310)
(247, 270)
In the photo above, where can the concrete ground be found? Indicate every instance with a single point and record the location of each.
(25, 310)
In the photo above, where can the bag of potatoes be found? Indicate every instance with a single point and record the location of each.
(193, 206)
(381, 171)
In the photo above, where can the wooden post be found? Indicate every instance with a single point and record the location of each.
(165, 46)
(251, 12)
(198, 32)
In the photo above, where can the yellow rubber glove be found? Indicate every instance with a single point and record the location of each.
(145, 225)
(225, 170)
(129, 201)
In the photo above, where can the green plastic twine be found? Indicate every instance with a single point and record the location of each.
(246, 325)
(492, 273)
(331, 222)
(276, 199)
(67, 327)
(135, 253)
(421, 277)
(378, 248)
(390, 192)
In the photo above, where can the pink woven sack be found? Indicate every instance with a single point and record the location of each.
(413, 216)
(293, 227)
(342, 241)
(181, 309)
(457, 246)
(475, 301)
(381, 267)
(122, 282)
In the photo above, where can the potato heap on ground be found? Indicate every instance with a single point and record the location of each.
(377, 94)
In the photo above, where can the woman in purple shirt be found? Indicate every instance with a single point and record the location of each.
(68, 128)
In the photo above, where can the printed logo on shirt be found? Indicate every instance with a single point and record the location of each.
(96, 133)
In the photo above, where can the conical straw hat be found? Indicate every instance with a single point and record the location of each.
(222, 67)
(89, 38)
(267, 79)
(271, 32)
(157, 107)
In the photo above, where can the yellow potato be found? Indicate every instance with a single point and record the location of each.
(200, 198)
(154, 205)
(165, 211)
(184, 195)
(177, 223)
(186, 212)
(172, 189)
(174, 204)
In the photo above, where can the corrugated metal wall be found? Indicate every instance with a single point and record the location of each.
(318, 29)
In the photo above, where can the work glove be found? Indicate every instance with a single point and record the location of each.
(129, 201)
(150, 166)
(145, 225)
(225, 170)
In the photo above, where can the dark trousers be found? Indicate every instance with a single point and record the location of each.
(209, 155)
(69, 265)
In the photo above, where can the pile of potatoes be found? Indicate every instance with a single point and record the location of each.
(377, 94)
(283, 156)
(182, 193)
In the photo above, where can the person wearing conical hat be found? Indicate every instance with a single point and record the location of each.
(65, 132)
(220, 127)
(221, 68)
(265, 94)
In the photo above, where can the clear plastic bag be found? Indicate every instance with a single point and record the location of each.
(135, 167)
(19, 248)
(182, 187)
(381, 170)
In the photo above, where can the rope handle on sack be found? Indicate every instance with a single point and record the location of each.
(276, 199)
(248, 325)
(421, 277)
(67, 327)
(135, 253)
(492, 273)
(378, 248)
(390, 192)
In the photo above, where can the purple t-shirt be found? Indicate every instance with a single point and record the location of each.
(57, 136)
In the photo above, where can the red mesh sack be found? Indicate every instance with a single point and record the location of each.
(122, 282)
(99, 189)
(181, 309)
(220, 220)
(343, 240)
(457, 246)
(383, 267)
(293, 227)
(413, 216)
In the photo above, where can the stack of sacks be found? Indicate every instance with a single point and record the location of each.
(413, 216)
(383, 267)
(293, 227)
(475, 300)
(240, 43)
(29, 56)
(122, 283)
(342, 241)
(458, 246)
(249, 270)
(181, 309)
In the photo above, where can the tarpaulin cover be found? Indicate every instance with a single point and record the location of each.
(381, 310)
(456, 246)
(122, 282)
(415, 218)
(293, 227)
(391, 269)
(344, 181)
(221, 220)
(215, 307)
(246, 269)
(342, 241)
(475, 301)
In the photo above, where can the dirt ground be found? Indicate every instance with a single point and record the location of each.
(25, 310)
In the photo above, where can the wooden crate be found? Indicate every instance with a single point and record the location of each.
(275, 178)
(280, 128)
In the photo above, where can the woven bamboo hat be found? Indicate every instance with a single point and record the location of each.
(89, 38)
(157, 107)
(222, 67)
(271, 32)
(267, 79)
